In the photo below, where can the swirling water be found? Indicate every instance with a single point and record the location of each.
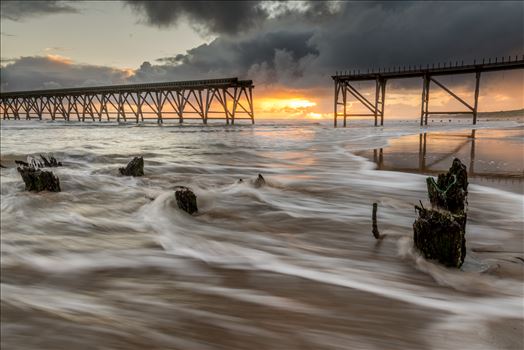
(111, 263)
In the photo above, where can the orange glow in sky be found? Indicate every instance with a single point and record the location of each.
(59, 59)
(283, 103)
(281, 107)
(297, 103)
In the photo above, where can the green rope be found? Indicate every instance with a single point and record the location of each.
(443, 192)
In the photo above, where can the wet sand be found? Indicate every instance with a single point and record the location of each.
(495, 157)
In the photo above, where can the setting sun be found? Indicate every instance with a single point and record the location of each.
(314, 115)
(288, 103)
(279, 107)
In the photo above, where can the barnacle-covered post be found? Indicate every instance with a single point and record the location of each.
(439, 233)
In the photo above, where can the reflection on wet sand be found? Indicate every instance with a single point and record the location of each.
(495, 157)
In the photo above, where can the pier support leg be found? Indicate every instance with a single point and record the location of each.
(425, 101)
(383, 103)
(251, 105)
(336, 105)
(344, 100)
(475, 106)
(377, 96)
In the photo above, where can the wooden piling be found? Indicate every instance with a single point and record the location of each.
(375, 232)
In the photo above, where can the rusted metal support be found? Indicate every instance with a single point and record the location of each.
(344, 101)
(383, 83)
(377, 96)
(380, 76)
(251, 106)
(476, 103)
(425, 99)
(335, 108)
(166, 101)
(451, 93)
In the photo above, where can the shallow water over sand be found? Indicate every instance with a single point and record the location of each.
(110, 262)
(495, 158)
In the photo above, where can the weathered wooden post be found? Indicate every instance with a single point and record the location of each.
(439, 233)
(375, 232)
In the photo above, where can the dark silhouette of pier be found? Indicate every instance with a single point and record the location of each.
(344, 86)
(229, 99)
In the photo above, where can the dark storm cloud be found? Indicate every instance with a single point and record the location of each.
(225, 17)
(34, 73)
(357, 35)
(301, 46)
(20, 10)
(214, 16)
(408, 33)
(268, 57)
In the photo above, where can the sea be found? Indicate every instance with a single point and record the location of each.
(112, 263)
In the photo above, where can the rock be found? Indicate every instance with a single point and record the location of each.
(134, 168)
(21, 163)
(451, 189)
(2, 166)
(39, 180)
(439, 233)
(260, 181)
(186, 199)
(440, 236)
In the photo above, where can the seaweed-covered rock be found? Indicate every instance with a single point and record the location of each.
(39, 180)
(440, 236)
(186, 199)
(260, 181)
(450, 190)
(134, 167)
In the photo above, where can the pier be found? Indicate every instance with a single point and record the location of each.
(228, 99)
(344, 86)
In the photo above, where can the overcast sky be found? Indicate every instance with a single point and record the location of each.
(288, 49)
